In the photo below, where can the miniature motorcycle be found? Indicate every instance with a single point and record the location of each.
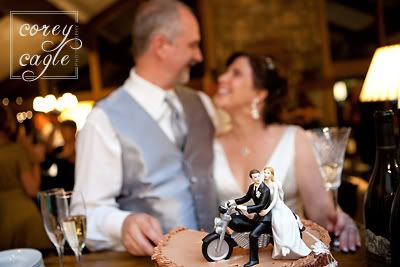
(218, 245)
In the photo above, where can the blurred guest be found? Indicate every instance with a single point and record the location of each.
(20, 220)
(52, 132)
(47, 126)
(59, 165)
(144, 156)
(252, 93)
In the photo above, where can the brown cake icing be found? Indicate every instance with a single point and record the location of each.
(182, 247)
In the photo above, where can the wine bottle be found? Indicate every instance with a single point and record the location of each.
(398, 133)
(395, 217)
(381, 189)
(395, 229)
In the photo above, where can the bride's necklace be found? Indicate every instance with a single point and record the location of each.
(244, 151)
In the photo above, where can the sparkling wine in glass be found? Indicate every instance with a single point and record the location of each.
(72, 210)
(48, 207)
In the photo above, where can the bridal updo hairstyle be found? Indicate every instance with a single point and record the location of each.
(266, 77)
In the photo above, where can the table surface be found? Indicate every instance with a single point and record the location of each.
(123, 259)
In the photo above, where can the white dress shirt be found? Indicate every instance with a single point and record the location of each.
(98, 172)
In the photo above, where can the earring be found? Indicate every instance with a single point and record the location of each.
(255, 114)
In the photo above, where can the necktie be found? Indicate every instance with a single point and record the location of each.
(178, 124)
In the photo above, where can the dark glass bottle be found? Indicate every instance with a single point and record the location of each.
(395, 218)
(395, 229)
(381, 189)
(398, 133)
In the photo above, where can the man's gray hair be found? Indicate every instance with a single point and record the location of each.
(155, 17)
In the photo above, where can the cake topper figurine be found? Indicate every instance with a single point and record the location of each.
(260, 230)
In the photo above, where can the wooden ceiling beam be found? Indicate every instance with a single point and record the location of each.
(91, 29)
(38, 5)
(110, 13)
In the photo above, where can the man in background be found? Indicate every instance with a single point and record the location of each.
(144, 156)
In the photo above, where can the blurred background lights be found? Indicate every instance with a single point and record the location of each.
(66, 101)
(50, 102)
(29, 114)
(21, 116)
(67, 105)
(19, 101)
(340, 91)
(6, 101)
(37, 103)
(78, 113)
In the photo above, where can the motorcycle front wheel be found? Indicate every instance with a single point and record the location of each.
(209, 249)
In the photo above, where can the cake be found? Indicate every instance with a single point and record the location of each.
(182, 247)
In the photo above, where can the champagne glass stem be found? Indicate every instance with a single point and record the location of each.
(334, 193)
(60, 252)
(78, 255)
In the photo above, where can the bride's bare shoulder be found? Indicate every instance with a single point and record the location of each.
(276, 130)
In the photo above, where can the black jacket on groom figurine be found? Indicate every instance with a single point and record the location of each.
(261, 198)
(259, 224)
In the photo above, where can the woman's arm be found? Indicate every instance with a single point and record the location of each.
(318, 204)
(30, 181)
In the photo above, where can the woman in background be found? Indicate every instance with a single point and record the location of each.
(252, 93)
(20, 220)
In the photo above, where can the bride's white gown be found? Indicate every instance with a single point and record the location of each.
(285, 229)
(282, 160)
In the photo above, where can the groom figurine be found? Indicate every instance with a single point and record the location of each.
(260, 194)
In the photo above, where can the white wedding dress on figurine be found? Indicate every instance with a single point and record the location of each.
(285, 229)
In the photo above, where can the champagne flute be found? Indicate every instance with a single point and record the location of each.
(329, 145)
(72, 215)
(48, 207)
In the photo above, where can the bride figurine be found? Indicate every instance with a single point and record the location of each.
(286, 225)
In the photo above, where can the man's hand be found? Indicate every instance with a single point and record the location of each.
(140, 233)
(231, 202)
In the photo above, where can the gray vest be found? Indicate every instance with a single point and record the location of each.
(174, 186)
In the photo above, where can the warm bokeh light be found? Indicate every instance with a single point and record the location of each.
(340, 91)
(44, 104)
(66, 101)
(78, 113)
(49, 102)
(19, 100)
(67, 104)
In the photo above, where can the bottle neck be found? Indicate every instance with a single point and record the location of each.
(385, 136)
(384, 129)
(383, 151)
